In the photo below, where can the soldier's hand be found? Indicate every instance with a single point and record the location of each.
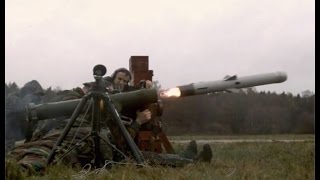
(149, 84)
(143, 116)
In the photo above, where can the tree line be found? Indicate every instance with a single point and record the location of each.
(247, 112)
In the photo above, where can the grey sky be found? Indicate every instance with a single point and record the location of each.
(58, 42)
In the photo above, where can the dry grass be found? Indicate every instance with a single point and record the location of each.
(294, 160)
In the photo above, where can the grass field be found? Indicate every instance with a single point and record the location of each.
(276, 160)
(275, 137)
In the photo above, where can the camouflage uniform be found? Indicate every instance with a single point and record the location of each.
(32, 156)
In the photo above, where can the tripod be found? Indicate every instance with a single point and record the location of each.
(98, 94)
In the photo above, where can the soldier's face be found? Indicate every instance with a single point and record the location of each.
(121, 80)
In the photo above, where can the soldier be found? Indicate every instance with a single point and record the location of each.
(119, 82)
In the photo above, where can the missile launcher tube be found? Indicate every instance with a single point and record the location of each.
(133, 99)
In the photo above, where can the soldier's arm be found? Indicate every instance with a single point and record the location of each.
(142, 117)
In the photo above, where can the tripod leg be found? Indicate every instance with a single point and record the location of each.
(96, 114)
(66, 130)
(136, 153)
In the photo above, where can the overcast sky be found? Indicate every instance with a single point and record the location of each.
(58, 42)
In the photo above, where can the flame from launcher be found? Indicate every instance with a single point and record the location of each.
(173, 92)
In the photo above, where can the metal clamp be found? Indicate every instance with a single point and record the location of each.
(31, 113)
